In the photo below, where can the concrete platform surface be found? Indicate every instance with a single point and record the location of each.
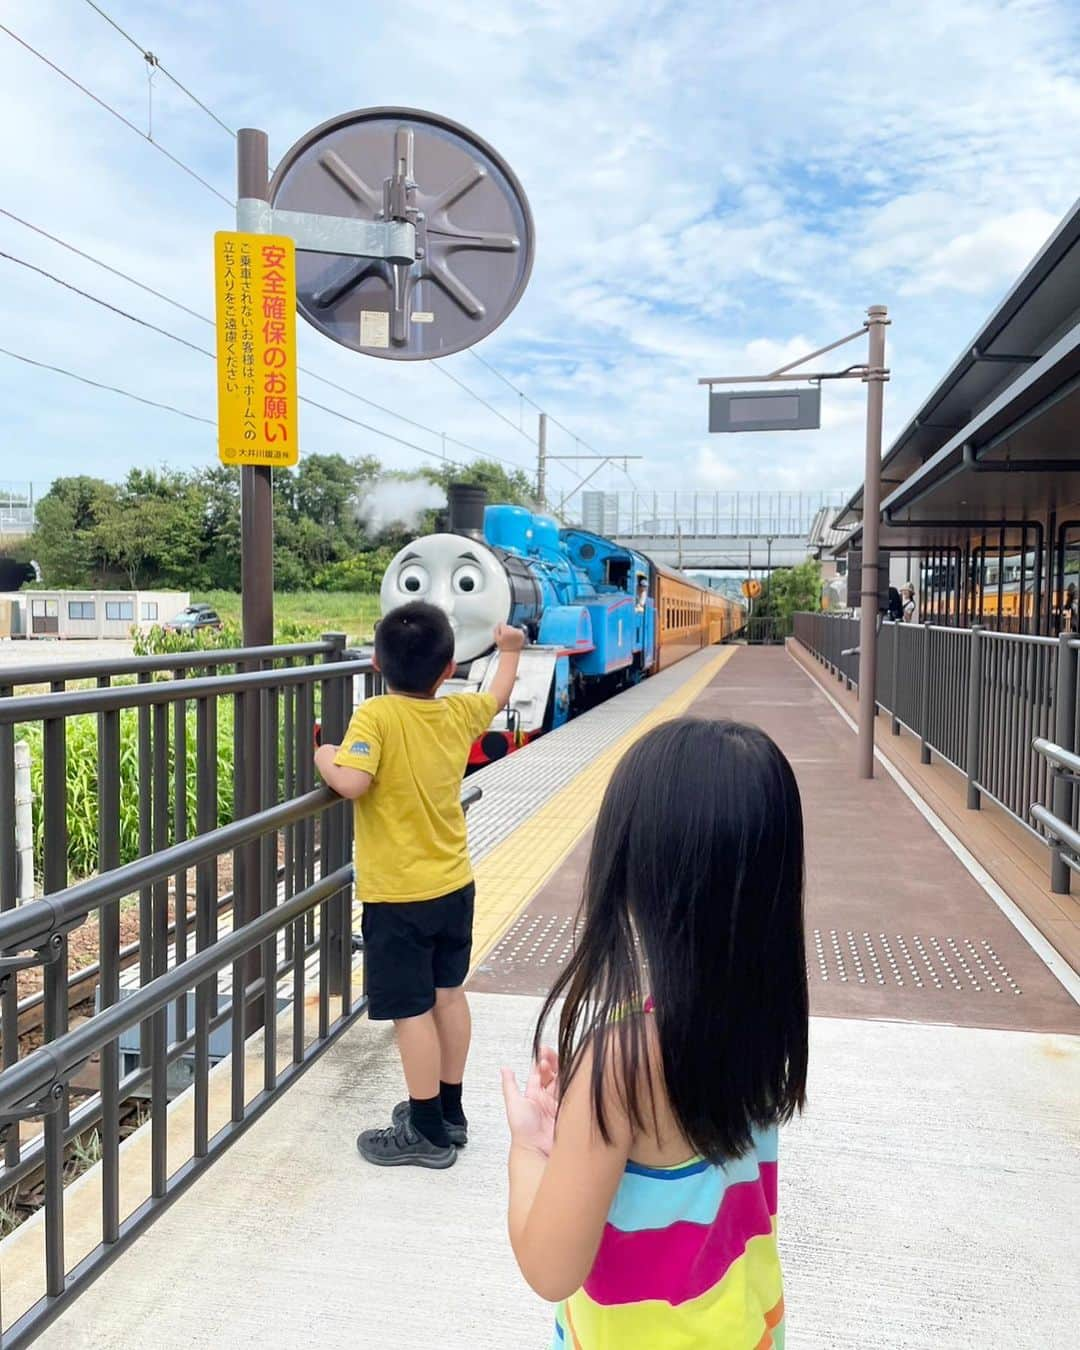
(896, 927)
(928, 1201)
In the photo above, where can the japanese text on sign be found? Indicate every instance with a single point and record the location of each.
(255, 276)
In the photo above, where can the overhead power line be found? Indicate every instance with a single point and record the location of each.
(578, 440)
(155, 64)
(89, 257)
(481, 399)
(204, 351)
(112, 388)
(143, 136)
(118, 115)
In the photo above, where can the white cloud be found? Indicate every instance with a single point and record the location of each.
(716, 187)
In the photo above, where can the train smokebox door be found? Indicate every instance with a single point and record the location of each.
(854, 580)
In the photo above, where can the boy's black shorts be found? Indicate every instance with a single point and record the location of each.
(413, 948)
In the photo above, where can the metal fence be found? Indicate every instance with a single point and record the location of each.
(767, 630)
(17, 507)
(978, 699)
(746, 514)
(165, 817)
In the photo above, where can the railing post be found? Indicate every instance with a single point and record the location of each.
(1065, 736)
(924, 698)
(974, 718)
(894, 725)
(338, 909)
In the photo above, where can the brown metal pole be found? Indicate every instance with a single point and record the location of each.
(877, 318)
(256, 490)
(256, 586)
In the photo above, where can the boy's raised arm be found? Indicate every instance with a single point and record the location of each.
(509, 642)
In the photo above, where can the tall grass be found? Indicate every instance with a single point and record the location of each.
(83, 788)
(303, 616)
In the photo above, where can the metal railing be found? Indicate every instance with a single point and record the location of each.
(122, 770)
(168, 781)
(1064, 838)
(983, 701)
(766, 630)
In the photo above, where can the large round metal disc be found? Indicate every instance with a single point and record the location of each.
(474, 232)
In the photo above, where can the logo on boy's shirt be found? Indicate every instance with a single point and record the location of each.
(359, 748)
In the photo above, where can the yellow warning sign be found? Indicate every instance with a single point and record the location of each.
(255, 285)
(751, 588)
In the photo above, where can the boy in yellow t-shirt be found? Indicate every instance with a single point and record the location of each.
(402, 762)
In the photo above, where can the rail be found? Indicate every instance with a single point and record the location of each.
(982, 701)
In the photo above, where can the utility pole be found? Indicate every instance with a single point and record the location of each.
(541, 461)
(875, 377)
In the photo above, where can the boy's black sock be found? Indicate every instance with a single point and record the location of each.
(450, 1097)
(427, 1118)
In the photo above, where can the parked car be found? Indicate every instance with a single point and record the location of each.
(194, 618)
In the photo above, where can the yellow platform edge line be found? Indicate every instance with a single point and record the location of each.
(520, 865)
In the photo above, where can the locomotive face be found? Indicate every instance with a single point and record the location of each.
(459, 575)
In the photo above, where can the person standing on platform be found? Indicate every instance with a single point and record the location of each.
(402, 762)
(643, 1154)
(910, 608)
(1068, 611)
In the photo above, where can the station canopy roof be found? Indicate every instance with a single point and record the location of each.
(994, 441)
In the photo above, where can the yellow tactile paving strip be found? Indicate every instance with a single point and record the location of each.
(511, 874)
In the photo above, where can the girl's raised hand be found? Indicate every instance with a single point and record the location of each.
(531, 1114)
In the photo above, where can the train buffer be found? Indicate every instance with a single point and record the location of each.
(945, 1044)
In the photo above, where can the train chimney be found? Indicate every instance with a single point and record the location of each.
(465, 509)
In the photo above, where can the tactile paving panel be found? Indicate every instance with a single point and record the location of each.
(543, 942)
(964, 965)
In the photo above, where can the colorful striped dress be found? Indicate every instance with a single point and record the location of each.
(688, 1259)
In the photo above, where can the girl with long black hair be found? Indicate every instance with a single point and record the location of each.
(643, 1153)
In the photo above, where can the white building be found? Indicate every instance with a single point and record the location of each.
(93, 614)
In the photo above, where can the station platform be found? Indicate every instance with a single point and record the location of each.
(927, 1197)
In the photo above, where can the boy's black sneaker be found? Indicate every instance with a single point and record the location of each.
(457, 1134)
(399, 1145)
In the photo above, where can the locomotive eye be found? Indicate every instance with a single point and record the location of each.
(467, 580)
(413, 580)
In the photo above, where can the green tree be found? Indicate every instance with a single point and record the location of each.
(66, 541)
(515, 487)
(219, 490)
(152, 531)
(789, 590)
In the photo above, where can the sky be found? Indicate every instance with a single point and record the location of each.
(717, 186)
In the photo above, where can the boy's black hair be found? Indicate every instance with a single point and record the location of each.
(694, 895)
(413, 646)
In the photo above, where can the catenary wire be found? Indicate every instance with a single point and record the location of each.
(118, 115)
(153, 61)
(112, 388)
(198, 178)
(165, 332)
